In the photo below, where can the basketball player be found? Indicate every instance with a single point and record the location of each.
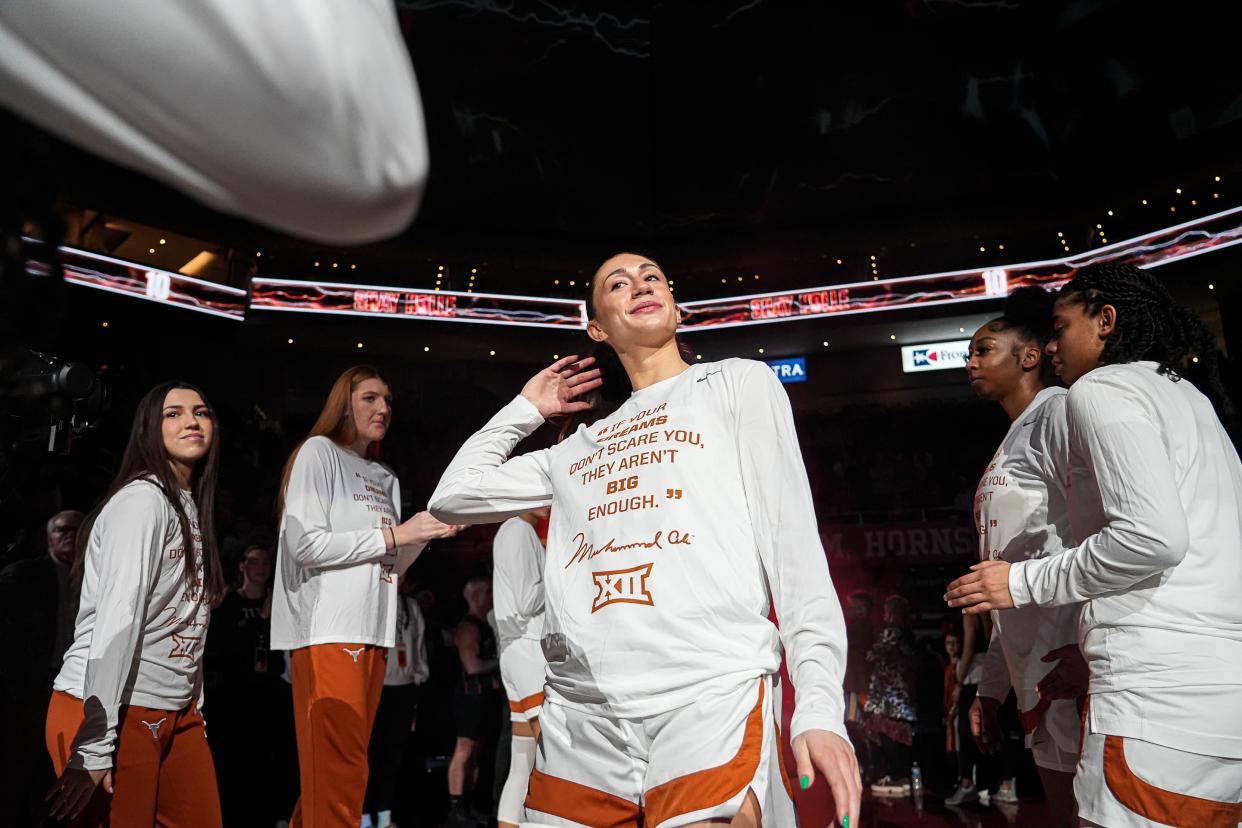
(1020, 513)
(517, 596)
(124, 728)
(677, 521)
(334, 606)
(1156, 487)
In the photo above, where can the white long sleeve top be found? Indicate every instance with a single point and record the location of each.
(1021, 514)
(1155, 494)
(517, 583)
(335, 580)
(139, 633)
(301, 116)
(676, 521)
(407, 660)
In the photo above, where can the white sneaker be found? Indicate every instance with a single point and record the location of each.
(1008, 792)
(985, 798)
(963, 795)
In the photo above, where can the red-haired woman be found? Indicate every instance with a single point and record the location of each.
(124, 716)
(342, 547)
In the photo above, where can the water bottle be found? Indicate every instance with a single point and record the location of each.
(916, 786)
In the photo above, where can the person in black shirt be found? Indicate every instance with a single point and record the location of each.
(477, 702)
(241, 678)
(37, 610)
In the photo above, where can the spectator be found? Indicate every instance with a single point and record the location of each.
(891, 699)
(396, 717)
(37, 611)
(976, 775)
(242, 676)
(859, 636)
(477, 704)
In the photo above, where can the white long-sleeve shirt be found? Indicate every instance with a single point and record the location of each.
(407, 660)
(1021, 514)
(1155, 494)
(335, 580)
(517, 583)
(139, 633)
(301, 116)
(675, 522)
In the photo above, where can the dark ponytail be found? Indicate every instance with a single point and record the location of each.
(605, 399)
(1028, 313)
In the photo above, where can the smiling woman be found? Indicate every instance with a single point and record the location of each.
(148, 551)
(661, 657)
(334, 606)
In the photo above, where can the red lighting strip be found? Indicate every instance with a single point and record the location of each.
(439, 305)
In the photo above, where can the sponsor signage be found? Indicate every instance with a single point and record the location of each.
(789, 370)
(935, 356)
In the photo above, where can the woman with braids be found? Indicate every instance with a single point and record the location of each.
(1020, 513)
(124, 728)
(677, 521)
(1155, 502)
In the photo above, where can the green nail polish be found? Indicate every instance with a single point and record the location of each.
(845, 822)
(806, 782)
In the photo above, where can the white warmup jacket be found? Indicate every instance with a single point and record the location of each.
(676, 522)
(140, 631)
(335, 580)
(1155, 491)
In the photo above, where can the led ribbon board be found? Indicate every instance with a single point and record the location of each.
(1193, 238)
(94, 270)
(394, 302)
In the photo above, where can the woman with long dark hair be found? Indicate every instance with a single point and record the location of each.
(342, 547)
(1155, 505)
(124, 718)
(1021, 514)
(677, 521)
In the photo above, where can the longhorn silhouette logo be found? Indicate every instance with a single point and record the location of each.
(154, 727)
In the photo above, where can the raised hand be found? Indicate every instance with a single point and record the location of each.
(558, 389)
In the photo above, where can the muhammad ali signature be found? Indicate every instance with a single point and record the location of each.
(587, 551)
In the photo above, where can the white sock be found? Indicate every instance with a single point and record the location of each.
(521, 763)
(366, 821)
(383, 819)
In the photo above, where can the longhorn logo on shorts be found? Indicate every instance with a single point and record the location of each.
(622, 586)
(354, 653)
(154, 727)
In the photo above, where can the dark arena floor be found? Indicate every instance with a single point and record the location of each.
(891, 812)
